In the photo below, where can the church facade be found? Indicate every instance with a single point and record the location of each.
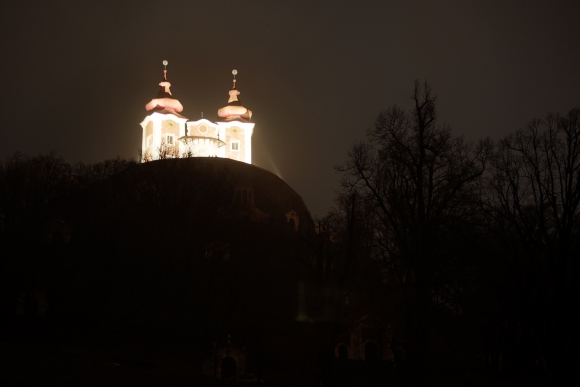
(168, 134)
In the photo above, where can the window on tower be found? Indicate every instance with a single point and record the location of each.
(235, 145)
(169, 140)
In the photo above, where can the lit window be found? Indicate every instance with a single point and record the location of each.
(235, 146)
(169, 139)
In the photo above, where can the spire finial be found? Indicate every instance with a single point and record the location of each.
(165, 63)
(234, 72)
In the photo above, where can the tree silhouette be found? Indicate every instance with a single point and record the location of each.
(534, 196)
(418, 183)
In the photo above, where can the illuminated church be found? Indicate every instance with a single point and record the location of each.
(264, 197)
(168, 134)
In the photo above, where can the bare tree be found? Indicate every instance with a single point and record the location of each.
(534, 195)
(339, 276)
(167, 151)
(33, 192)
(418, 183)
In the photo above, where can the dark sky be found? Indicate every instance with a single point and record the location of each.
(76, 77)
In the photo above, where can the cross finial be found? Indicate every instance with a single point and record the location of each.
(234, 72)
(165, 63)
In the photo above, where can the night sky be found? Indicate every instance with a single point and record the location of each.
(315, 74)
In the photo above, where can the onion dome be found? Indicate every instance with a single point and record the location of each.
(164, 100)
(234, 111)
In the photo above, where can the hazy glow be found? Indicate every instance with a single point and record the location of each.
(271, 165)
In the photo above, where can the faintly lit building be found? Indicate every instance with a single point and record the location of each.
(168, 134)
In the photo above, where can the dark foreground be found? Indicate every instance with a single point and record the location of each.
(126, 365)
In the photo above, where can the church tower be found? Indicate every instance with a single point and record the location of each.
(237, 126)
(168, 134)
(164, 125)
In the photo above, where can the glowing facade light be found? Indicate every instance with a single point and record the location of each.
(231, 137)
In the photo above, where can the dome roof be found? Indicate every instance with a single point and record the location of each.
(234, 111)
(164, 99)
